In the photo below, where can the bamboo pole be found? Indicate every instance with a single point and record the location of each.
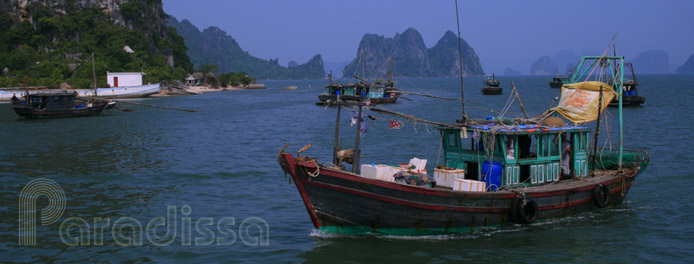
(597, 130)
(519, 100)
(357, 151)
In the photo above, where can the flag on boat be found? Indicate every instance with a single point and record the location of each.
(579, 101)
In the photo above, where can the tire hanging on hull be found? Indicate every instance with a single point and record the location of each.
(523, 211)
(601, 195)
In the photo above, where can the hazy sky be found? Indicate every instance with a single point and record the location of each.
(504, 33)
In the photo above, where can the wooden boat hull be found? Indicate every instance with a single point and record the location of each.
(33, 113)
(344, 202)
(384, 100)
(491, 90)
(555, 84)
(629, 100)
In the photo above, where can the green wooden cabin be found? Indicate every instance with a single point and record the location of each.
(526, 155)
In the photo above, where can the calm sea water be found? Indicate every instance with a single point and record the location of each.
(220, 164)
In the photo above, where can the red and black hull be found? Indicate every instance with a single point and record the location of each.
(338, 199)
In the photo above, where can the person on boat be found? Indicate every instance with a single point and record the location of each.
(565, 157)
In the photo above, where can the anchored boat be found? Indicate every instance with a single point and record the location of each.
(491, 86)
(379, 92)
(630, 92)
(558, 81)
(56, 105)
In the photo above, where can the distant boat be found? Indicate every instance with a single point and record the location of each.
(558, 81)
(491, 86)
(56, 105)
(630, 92)
(291, 87)
(379, 92)
(376, 93)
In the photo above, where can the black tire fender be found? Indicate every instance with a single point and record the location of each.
(601, 195)
(524, 211)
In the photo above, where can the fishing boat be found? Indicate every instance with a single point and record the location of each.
(503, 172)
(380, 92)
(491, 86)
(558, 81)
(630, 92)
(56, 105)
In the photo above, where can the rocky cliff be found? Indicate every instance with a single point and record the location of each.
(687, 67)
(411, 58)
(652, 62)
(511, 72)
(50, 41)
(214, 46)
(543, 66)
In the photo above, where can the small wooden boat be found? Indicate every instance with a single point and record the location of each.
(56, 105)
(491, 86)
(291, 88)
(380, 92)
(630, 93)
(558, 81)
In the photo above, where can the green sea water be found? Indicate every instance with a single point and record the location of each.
(209, 184)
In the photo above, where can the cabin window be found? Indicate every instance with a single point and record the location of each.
(554, 145)
(527, 146)
(467, 143)
(452, 139)
(582, 141)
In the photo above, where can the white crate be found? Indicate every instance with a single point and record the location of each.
(446, 178)
(468, 185)
(378, 172)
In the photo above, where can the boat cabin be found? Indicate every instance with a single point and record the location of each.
(560, 79)
(51, 101)
(511, 156)
(374, 91)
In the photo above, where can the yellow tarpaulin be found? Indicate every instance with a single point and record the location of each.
(579, 101)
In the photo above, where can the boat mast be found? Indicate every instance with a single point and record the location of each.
(621, 100)
(93, 71)
(390, 71)
(460, 58)
(363, 66)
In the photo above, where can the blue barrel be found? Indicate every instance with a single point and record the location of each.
(491, 174)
